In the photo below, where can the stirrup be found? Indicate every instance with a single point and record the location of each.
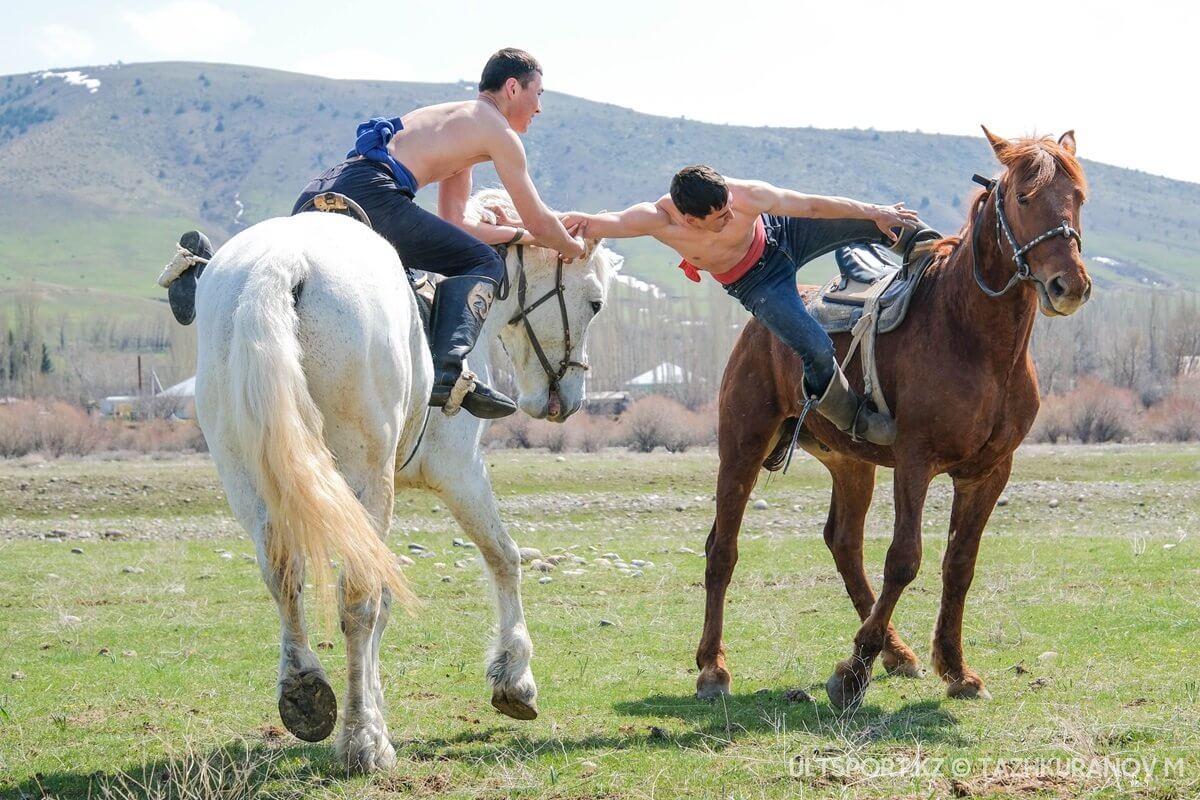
(462, 387)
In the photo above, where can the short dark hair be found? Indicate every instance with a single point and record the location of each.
(508, 63)
(698, 190)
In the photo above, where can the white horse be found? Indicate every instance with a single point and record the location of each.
(311, 389)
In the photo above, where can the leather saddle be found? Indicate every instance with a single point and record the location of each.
(867, 271)
(335, 203)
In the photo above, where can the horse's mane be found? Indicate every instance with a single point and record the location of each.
(484, 204)
(1034, 161)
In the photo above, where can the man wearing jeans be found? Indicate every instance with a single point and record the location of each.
(440, 144)
(752, 237)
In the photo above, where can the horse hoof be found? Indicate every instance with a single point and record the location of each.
(906, 669)
(844, 693)
(308, 706)
(960, 690)
(712, 691)
(713, 683)
(512, 707)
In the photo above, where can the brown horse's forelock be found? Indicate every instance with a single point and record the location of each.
(1036, 161)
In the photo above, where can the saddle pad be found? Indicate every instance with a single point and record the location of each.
(839, 303)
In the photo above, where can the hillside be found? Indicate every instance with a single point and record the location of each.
(100, 175)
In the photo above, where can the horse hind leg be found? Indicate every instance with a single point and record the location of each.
(307, 703)
(363, 744)
(848, 684)
(853, 487)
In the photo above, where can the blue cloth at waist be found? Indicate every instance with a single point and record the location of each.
(371, 143)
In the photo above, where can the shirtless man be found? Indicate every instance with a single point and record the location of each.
(440, 144)
(752, 237)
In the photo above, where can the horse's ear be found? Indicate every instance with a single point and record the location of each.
(1067, 140)
(999, 143)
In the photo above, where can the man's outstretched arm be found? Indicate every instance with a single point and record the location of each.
(643, 219)
(784, 202)
(508, 157)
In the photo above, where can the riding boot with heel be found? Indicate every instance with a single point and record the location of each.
(842, 406)
(460, 305)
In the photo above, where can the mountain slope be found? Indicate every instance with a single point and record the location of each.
(99, 180)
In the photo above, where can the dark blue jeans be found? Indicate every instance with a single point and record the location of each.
(768, 290)
(424, 241)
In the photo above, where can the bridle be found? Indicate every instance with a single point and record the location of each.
(1023, 272)
(555, 376)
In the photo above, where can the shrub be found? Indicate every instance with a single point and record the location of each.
(56, 429)
(1101, 413)
(1175, 419)
(513, 431)
(661, 422)
(1053, 421)
(595, 433)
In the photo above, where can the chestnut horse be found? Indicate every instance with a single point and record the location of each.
(959, 378)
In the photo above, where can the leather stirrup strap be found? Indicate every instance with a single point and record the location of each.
(864, 332)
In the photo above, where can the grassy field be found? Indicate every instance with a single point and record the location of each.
(150, 656)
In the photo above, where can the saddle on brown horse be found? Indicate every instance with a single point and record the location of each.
(868, 278)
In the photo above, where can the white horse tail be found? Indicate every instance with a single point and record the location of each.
(311, 511)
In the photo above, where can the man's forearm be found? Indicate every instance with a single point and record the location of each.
(489, 233)
(550, 231)
(606, 226)
(840, 208)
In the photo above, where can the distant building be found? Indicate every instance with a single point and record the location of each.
(174, 402)
(665, 374)
(608, 404)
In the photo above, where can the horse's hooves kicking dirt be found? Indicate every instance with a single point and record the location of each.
(308, 706)
(510, 707)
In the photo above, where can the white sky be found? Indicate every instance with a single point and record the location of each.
(1122, 74)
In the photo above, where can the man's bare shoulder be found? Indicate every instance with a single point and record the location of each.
(668, 211)
(748, 195)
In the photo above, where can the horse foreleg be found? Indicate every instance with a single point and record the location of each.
(974, 499)
(470, 498)
(850, 679)
(853, 486)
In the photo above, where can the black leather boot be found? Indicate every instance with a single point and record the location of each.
(842, 406)
(460, 305)
(182, 291)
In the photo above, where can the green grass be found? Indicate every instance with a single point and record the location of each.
(177, 663)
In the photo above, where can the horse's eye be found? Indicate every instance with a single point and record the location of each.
(1022, 200)
(596, 306)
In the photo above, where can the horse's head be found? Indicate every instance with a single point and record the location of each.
(1040, 196)
(546, 314)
